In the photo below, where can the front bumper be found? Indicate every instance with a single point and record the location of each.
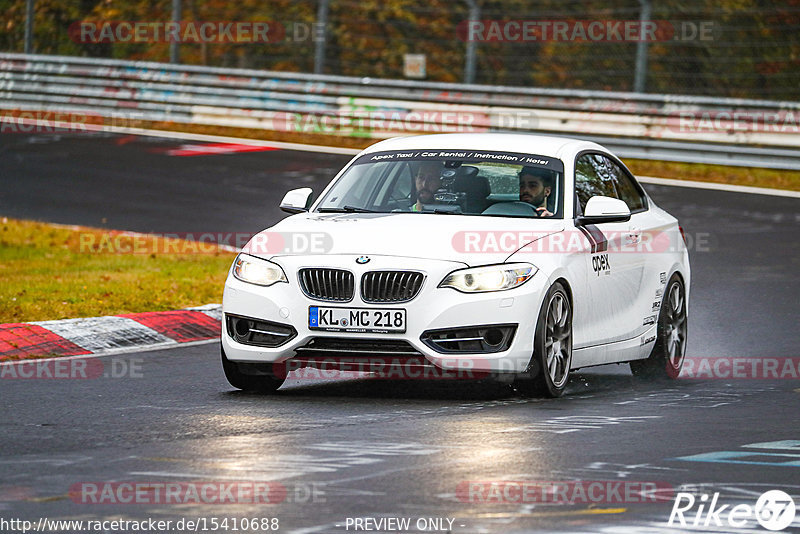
(432, 310)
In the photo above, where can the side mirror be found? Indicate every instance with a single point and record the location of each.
(604, 209)
(297, 200)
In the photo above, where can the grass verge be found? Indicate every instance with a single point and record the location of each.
(54, 272)
(719, 174)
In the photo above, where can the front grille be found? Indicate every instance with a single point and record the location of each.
(334, 285)
(390, 358)
(355, 347)
(390, 286)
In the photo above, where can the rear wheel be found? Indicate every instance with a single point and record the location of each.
(548, 371)
(256, 377)
(667, 357)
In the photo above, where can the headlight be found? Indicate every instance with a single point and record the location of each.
(490, 278)
(257, 271)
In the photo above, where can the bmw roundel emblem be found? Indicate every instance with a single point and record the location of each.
(361, 260)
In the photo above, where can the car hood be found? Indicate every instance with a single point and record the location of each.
(473, 240)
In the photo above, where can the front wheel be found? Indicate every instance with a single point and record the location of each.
(256, 377)
(667, 357)
(548, 371)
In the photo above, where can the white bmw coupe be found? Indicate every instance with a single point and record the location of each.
(523, 257)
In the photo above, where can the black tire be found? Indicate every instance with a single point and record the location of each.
(548, 372)
(666, 359)
(255, 377)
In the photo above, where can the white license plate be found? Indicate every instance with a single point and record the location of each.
(379, 321)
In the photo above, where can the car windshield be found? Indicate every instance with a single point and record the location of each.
(454, 182)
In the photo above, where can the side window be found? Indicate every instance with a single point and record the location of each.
(595, 174)
(592, 178)
(626, 190)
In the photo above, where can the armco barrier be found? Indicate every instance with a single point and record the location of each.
(667, 127)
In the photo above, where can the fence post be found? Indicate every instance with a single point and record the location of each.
(174, 46)
(640, 77)
(29, 26)
(469, 61)
(319, 46)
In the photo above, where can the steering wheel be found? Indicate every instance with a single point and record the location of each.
(539, 212)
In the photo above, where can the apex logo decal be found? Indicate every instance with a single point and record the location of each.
(649, 320)
(600, 264)
(656, 305)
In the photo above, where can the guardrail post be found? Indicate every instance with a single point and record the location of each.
(319, 47)
(29, 27)
(640, 77)
(174, 50)
(469, 60)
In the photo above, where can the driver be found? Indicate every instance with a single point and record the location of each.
(535, 186)
(427, 182)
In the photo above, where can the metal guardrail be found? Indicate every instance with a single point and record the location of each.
(666, 127)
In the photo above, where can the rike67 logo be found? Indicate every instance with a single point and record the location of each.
(774, 510)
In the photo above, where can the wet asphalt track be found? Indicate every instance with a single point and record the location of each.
(379, 449)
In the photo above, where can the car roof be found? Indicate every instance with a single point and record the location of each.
(544, 145)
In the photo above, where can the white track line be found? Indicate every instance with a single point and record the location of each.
(719, 187)
(353, 151)
(182, 135)
(242, 140)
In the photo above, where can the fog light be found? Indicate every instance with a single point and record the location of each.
(242, 327)
(470, 339)
(493, 337)
(258, 332)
